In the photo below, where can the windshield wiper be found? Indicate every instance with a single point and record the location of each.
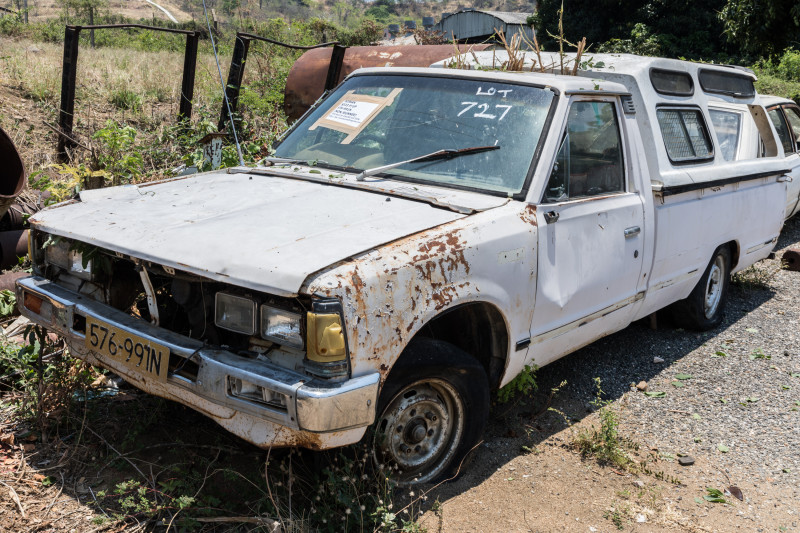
(448, 153)
(289, 161)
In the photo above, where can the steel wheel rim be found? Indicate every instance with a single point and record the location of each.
(417, 433)
(713, 294)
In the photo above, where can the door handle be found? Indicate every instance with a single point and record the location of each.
(632, 231)
(551, 216)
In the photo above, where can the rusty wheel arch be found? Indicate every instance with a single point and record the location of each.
(477, 328)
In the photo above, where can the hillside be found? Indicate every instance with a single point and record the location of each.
(229, 11)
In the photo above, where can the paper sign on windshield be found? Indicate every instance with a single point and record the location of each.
(353, 112)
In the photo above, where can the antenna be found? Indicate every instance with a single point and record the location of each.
(224, 92)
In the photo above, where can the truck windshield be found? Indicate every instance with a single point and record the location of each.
(371, 121)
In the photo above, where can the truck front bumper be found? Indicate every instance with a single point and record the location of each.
(312, 413)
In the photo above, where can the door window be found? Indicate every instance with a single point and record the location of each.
(783, 131)
(589, 162)
(793, 116)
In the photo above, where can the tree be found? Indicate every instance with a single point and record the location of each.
(672, 28)
(764, 27)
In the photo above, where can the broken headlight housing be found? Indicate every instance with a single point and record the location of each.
(60, 253)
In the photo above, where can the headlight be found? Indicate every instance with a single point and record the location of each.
(60, 255)
(235, 313)
(281, 326)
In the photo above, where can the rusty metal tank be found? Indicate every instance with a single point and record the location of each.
(306, 80)
(12, 172)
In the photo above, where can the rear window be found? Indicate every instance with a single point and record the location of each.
(685, 135)
(672, 82)
(728, 83)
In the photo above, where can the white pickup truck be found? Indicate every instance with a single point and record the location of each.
(419, 237)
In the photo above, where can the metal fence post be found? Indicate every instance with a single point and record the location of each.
(189, 68)
(68, 76)
(335, 66)
(235, 76)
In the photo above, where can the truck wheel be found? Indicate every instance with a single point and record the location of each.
(432, 411)
(705, 306)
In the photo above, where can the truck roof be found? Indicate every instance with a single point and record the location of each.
(565, 84)
(769, 100)
(705, 80)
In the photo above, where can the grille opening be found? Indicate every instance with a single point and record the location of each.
(79, 323)
(185, 368)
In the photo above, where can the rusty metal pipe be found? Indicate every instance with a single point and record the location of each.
(306, 80)
(9, 279)
(12, 172)
(13, 245)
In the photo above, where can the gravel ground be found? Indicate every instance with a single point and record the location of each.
(744, 394)
(744, 390)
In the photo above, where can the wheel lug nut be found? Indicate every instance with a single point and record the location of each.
(430, 416)
(404, 448)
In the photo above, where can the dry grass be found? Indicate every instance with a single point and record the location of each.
(154, 78)
(130, 86)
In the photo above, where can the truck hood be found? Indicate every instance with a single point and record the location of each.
(266, 233)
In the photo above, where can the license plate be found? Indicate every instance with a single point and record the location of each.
(141, 355)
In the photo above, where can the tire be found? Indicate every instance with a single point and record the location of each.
(704, 308)
(432, 412)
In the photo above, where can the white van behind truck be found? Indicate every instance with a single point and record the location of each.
(419, 237)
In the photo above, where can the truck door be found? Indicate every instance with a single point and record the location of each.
(591, 235)
(786, 119)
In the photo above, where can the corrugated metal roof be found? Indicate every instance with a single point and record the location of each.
(508, 17)
(470, 24)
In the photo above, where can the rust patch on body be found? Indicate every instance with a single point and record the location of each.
(528, 215)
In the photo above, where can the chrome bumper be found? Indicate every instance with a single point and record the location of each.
(310, 405)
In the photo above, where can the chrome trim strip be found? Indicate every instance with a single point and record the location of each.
(566, 328)
(758, 247)
(673, 281)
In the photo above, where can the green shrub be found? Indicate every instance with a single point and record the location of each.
(126, 99)
(524, 383)
(116, 152)
(604, 443)
(788, 66)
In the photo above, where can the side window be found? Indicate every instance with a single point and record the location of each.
(589, 162)
(793, 116)
(685, 135)
(726, 124)
(776, 117)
